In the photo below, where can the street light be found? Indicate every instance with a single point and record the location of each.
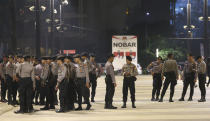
(189, 27)
(55, 11)
(61, 26)
(64, 2)
(32, 8)
(147, 13)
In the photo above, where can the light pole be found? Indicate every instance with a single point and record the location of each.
(189, 27)
(205, 18)
(37, 9)
(38, 39)
(51, 38)
(61, 27)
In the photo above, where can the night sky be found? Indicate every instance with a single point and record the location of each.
(94, 22)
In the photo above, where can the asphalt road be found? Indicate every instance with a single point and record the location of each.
(145, 111)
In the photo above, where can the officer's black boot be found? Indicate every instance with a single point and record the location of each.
(92, 100)
(52, 107)
(106, 105)
(157, 98)
(111, 106)
(203, 99)
(181, 99)
(60, 110)
(153, 98)
(190, 99)
(88, 106)
(124, 105)
(161, 99)
(31, 109)
(171, 100)
(133, 105)
(79, 108)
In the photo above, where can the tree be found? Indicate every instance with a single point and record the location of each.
(165, 46)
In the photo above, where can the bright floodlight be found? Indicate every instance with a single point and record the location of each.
(64, 2)
(32, 8)
(185, 27)
(43, 8)
(147, 13)
(48, 20)
(192, 26)
(56, 20)
(55, 11)
(200, 18)
(58, 27)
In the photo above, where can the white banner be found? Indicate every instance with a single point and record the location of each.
(123, 46)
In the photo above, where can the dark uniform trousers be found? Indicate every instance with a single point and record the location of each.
(3, 89)
(42, 94)
(14, 91)
(71, 94)
(49, 92)
(157, 84)
(9, 81)
(36, 94)
(25, 89)
(189, 80)
(170, 79)
(74, 86)
(93, 81)
(55, 92)
(128, 82)
(82, 90)
(110, 89)
(64, 95)
(202, 82)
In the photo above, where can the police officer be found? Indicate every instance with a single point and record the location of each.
(48, 85)
(86, 61)
(3, 78)
(202, 77)
(110, 83)
(25, 73)
(54, 71)
(82, 82)
(70, 76)
(18, 62)
(37, 71)
(189, 77)
(42, 91)
(156, 69)
(129, 72)
(94, 74)
(10, 74)
(170, 71)
(62, 84)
